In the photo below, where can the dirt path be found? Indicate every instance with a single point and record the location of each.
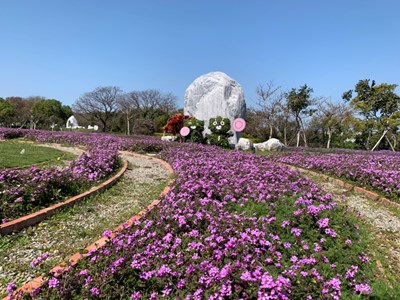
(384, 222)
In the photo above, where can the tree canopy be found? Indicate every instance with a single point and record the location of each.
(50, 112)
(298, 100)
(377, 104)
(6, 111)
(100, 104)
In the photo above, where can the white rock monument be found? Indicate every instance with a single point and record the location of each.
(244, 145)
(270, 145)
(72, 123)
(215, 94)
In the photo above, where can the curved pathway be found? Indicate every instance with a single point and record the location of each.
(384, 221)
(68, 232)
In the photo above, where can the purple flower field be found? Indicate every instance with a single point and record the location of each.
(27, 190)
(379, 171)
(234, 226)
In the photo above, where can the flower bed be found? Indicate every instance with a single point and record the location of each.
(234, 226)
(379, 171)
(141, 144)
(28, 190)
(25, 191)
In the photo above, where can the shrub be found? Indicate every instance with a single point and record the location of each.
(175, 123)
(220, 132)
(196, 130)
(14, 134)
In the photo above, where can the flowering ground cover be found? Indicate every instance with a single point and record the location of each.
(27, 190)
(234, 226)
(63, 234)
(379, 171)
(140, 144)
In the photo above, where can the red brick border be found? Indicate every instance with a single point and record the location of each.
(36, 217)
(350, 187)
(74, 259)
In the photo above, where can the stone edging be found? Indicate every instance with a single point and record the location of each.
(350, 187)
(36, 217)
(75, 258)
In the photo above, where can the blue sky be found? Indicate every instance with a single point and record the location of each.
(62, 49)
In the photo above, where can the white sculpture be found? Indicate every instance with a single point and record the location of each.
(90, 127)
(244, 145)
(215, 94)
(270, 145)
(72, 123)
(169, 138)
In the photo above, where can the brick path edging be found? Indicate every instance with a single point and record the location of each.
(370, 195)
(75, 258)
(36, 217)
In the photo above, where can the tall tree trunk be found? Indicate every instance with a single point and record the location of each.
(391, 146)
(285, 133)
(298, 131)
(270, 131)
(380, 139)
(305, 139)
(128, 125)
(104, 125)
(285, 136)
(394, 141)
(328, 144)
(304, 134)
(368, 139)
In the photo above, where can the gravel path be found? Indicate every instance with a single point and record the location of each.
(384, 222)
(72, 230)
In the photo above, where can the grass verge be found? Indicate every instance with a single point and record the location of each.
(18, 154)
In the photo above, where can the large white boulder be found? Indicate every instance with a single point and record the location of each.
(215, 94)
(270, 145)
(244, 145)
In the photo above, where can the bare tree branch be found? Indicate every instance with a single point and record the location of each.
(101, 104)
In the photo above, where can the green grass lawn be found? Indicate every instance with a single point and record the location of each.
(17, 154)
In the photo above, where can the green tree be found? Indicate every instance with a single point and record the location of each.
(24, 108)
(6, 111)
(50, 112)
(379, 107)
(298, 102)
(160, 121)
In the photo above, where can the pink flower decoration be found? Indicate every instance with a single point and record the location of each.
(184, 131)
(239, 124)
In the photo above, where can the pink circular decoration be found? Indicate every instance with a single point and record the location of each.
(239, 124)
(184, 131)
